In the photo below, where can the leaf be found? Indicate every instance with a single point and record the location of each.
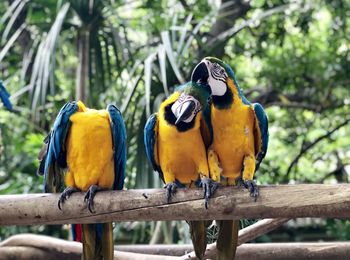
(42, 65)
(169, 51)
(17, 10)
(130, 94)
(173, 31)
(148, 79)
(11, 41)
(184, 29)
(162, 65)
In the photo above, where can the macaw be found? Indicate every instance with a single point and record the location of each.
(87, 148)
(4, 96)
(239, 142)
(176, 150)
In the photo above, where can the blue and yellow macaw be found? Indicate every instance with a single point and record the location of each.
(5, 97)
(176, 150)
(239, 141)
(87, 148)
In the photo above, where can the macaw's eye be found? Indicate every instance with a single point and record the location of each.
(218, 72)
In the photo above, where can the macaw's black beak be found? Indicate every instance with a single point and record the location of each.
(186, 110)
(200, 73)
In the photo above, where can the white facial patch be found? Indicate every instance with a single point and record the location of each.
(217, 78)
(182, 103)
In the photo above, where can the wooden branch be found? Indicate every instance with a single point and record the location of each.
(259, 228)
(263, 251)
(30, 246)
(293, 251)
(312, 144)
(38, 247)
(281, 201)
(157, 249)
(244, 235)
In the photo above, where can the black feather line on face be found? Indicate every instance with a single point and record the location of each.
(218, 76)
(171, 119)
(225, 101)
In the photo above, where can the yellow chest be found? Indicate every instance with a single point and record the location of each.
(181, 153)
(233, 136)
(89, 150)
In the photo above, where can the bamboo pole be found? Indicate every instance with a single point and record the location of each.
(281, 201)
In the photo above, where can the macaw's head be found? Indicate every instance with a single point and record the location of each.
(192, 99)
(213, 72)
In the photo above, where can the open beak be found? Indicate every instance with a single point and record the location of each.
(200, 73)
(185, 111)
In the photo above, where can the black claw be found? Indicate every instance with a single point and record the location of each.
(240, 182)
(209, 187)
(253, 188)
(59, 203)
(170, 190)
(65, 195)
(90, 195)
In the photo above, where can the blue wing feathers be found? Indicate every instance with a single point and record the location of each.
(56, 154)
(264, 132)
(4, 96)
(150, 140)
(119, 146)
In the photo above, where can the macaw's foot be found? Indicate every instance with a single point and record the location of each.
(170, 190)
(209, 187)
(89, 196)
(65, 195)
(252, 187)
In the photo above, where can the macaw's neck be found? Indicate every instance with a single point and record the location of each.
(231, 96)
(171, 119)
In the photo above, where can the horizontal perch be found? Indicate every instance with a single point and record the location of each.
(30, 246)
(280, 201)
(41, 247)
(262, 251)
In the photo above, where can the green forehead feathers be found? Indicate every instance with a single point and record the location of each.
(198, 91)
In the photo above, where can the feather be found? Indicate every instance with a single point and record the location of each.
(4, 97)
(119, 146)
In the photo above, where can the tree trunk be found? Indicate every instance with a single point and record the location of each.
(83, 66)
(230, 11)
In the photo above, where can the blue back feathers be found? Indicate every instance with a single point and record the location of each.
(56, 154)
(119, 146)
(264, 132)
(4, 97)
(150, 136)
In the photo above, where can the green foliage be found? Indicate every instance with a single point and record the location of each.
(293, 57)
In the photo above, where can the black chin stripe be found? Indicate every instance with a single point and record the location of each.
(225, 101)
(171, 119)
